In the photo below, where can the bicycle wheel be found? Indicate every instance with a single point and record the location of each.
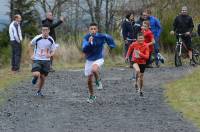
(196, 56)
(177, 58)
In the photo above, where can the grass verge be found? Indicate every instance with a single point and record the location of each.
(184, 96)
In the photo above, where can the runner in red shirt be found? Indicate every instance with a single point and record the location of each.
(140, 54)
(149, 39)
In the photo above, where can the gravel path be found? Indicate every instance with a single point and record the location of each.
(118, 107)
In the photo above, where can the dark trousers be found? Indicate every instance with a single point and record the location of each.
(16, 55)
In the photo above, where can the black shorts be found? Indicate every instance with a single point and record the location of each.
(141, 66)
(42, 66)
(187, 41)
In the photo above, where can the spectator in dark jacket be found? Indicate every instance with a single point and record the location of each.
(49, 21)
(183, 24)
(129, 31)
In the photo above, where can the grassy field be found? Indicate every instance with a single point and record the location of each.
(184, 96)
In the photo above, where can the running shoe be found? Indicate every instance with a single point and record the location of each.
(91, 99)
(39, 93)
(99, 85)
(161, 58)
(34, 80)
(141, 94)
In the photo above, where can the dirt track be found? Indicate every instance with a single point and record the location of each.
(117, 109)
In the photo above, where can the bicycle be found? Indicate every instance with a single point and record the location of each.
(181, 48)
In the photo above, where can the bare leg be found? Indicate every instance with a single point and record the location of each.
(141, 80)
(190, 54)
(90, 87)
(137, 70)
(95, 71)
(41, 82)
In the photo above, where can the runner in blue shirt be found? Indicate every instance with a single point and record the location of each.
(92, 46)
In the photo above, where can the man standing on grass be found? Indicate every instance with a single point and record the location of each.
(52, 25)
(15, 39)
(44, 47)
(92, 46)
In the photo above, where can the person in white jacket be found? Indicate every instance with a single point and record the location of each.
(15, 39)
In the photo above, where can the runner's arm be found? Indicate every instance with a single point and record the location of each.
(31, 49)
(130, 49)
(110, 41)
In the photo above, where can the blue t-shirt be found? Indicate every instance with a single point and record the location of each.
(94, 51)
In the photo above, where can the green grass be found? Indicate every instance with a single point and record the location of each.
(184, 96)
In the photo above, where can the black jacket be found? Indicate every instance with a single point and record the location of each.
(52, 26)
(183, 24)
(129, 29)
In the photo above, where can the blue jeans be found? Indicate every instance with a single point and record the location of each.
(16, 55)
(156, 50)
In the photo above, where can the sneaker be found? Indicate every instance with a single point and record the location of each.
(141, 94)
(91, 99)
(39, 94)
(161, 58)
(34, 80)
(99, 85)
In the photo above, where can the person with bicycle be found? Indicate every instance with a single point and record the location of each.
(140, 54)
(92, 47)
(129, 32)
(183, 24)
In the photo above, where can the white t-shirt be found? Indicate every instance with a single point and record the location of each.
(43, 46)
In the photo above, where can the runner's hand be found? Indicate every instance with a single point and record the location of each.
(91, 39)
(127, 60)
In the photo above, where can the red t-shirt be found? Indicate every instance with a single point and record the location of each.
(142, 48)
(148, 37)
